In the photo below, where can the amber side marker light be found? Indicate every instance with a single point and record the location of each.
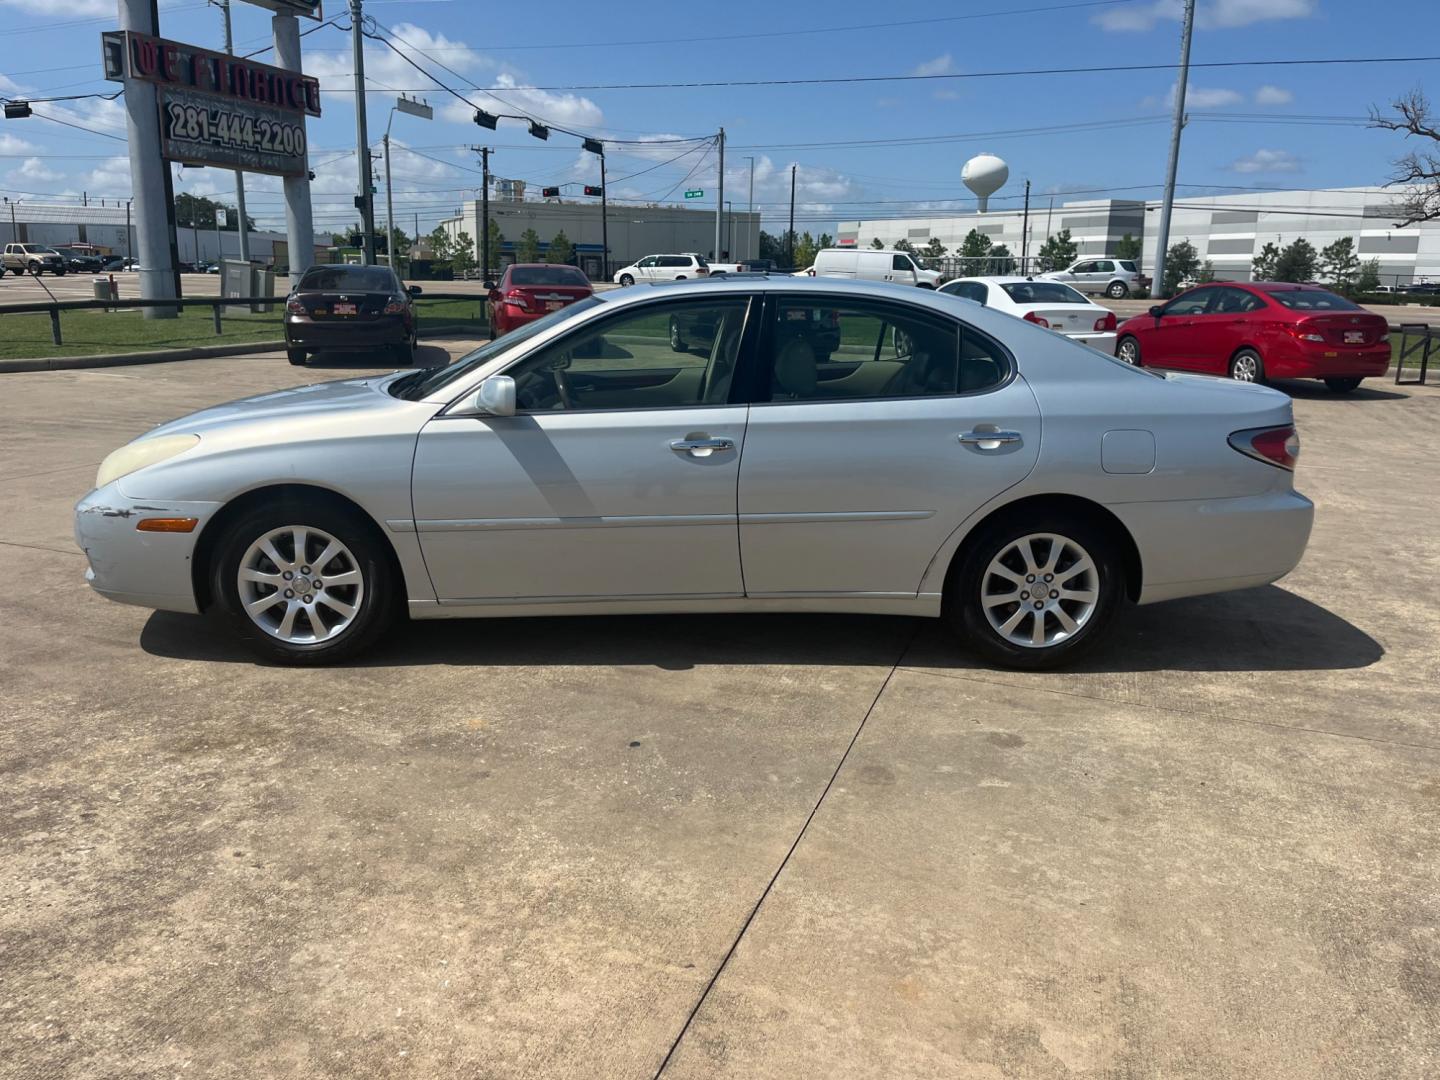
(170, 525)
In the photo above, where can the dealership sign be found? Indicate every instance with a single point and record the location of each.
(217, 109)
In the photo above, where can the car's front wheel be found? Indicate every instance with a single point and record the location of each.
(1035, 593)
(304, 584)
(1128, 350)
(1342, 386)
(296, 356)
(626, 279)
(1117, 290)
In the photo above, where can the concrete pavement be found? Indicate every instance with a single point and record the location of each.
(581, 848)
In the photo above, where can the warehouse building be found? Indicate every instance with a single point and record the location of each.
(634, 231)
(1228, 230)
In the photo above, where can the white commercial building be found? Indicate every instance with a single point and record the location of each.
(634, 231)
(1228, 230)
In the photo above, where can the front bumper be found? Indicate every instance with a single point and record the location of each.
(131, 567)
(302, 332)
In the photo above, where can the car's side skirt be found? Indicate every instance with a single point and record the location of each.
(925, 604)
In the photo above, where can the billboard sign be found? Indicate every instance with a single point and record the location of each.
(308, 8)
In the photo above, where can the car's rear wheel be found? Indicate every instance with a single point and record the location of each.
(59, 273)
(626, 279)
(677, 339)
(1035, 593)
(1246, 366)
(1128, 350)
(296, 356)
(1342, 386)
(1117, 290)
(304, 584)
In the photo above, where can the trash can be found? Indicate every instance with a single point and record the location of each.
(263, 281)
(105, 289)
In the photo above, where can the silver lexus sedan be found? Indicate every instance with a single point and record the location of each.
(741, 445)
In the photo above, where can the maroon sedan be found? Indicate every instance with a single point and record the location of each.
(529, 290)
(1259, 330)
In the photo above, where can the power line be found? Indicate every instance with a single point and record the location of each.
(80, 127)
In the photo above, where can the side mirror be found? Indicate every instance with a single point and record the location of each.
(496, 396)
(1155, 311)
(414, 290)
(490, 285)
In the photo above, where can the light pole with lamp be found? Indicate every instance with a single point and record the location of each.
(411, 108)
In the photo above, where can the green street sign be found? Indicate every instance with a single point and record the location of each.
(694, 193)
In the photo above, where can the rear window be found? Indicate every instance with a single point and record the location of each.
(1042, 292)
(1313, 300)
(357, 278)
(547, 275)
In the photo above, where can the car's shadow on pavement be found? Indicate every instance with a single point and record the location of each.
(1266, 629)
(1311, 390)
(426, 356)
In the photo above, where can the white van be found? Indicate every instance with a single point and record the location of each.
(871, 265)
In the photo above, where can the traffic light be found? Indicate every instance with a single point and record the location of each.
(485, 120)
(593, 189)
(550, 192)
(17, 110)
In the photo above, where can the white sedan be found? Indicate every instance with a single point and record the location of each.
(1051, 304)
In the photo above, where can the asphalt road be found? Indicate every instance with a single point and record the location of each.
(729, 847)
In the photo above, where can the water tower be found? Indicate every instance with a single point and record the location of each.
(984, 174)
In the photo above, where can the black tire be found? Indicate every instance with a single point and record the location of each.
(1128, 345)
(378, 604)
(35, 269)
(677, 340)
(296, 356)
(404, 354)
(1117, 290)
(59, 273)
(1247, 366)
(967, 615)
(626, 279)
(1343, 386)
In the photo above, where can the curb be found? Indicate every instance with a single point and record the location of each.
(162, 356)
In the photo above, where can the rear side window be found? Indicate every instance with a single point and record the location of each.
(1313, 300)
(547, 275)
(843, 351)
(356, 278)
(674, 260)
(1128, 266)
(970, 290)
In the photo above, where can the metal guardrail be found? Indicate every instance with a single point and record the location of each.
(1424, 334)
(215, 303)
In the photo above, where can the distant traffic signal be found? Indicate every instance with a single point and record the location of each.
(550, 192)
(593, 189)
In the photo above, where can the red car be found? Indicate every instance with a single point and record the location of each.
(529, 290)
(1260, 330)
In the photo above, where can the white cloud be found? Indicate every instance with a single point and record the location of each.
(62, 8)
(13, 144)
(946, 95)
(567, 110)
(941, 65)
(1266, 161)
(1211, 15)
(33, 170)
(1273, 95)
(112, 177)
(1197, 97)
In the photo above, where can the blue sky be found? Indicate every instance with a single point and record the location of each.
(1250, 126)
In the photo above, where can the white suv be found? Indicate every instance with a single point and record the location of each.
(1116, 278)
(663, 268)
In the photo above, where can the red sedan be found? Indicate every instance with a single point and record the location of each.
(1259, 330)
(530, 290)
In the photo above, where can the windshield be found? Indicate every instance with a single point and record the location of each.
(1313, 300)
(424, 383)
(1042, 292)
(355, 278)
(547, 275)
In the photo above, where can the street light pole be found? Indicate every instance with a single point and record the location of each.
(604, 221)
(720, 196)
(790, 233)
(1162, 238)
(224, 6)
(485, 213)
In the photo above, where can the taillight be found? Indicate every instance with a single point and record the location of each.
(294, 306)
(395, 306)
(517, 298)
(1300, 332)
(1030, 316)
(701, 271)
(1273, 445)
(1107, 322)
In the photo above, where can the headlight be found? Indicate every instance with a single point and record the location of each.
(140, 453)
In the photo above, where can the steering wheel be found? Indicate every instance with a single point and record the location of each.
(562, 385)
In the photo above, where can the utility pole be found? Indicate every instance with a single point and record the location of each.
(1162, 239)
(364, 202)
(389, 203)
(1025, 229)
(720, 198)
(750, 210)
(790, 232)
(224, 6)
(604, 220)
(484, 213)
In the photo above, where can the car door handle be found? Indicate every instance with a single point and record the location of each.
(980, 438)
(701, 447)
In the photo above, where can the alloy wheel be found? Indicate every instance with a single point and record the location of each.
(1129, 351)
(300, 585)
(1245, 368)
(1040, 590)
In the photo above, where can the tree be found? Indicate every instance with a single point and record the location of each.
(935, 249)
(1206, 273)
(1001, 261)
(771, 247)
(1296, 262)
(1368, 280)
(1262, 266)
(400, 243)
(1421, 169)
(561, 249)
(825, 241)
(462, 254)
(1058, 252)
(1339, 265)
(528, 249)
(440, 244)
(805, 249)
(1182, 263)
(877, 244)
(1128, 247)
(904, 245)
(497, 241)
(976, 245)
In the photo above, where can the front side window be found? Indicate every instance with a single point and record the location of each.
(645, 357)
(901, 262)
(649, 260)
(1192, 303)
(837, 351)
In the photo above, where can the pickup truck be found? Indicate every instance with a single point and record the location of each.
(745, 266)
(33, 259)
